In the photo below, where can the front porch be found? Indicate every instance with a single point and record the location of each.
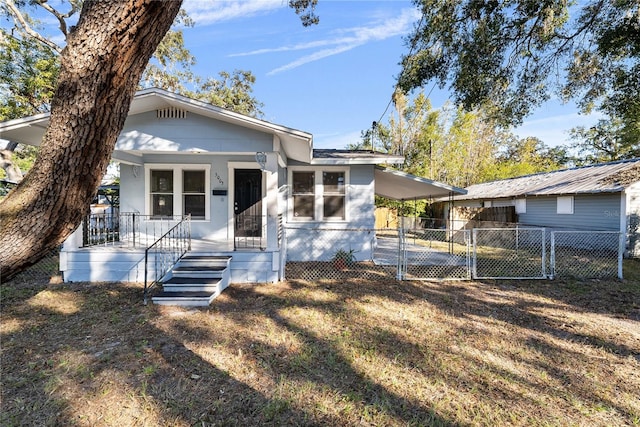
(113, 248)
(123, 264)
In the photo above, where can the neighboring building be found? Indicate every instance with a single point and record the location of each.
(603, 197)
(243, 180)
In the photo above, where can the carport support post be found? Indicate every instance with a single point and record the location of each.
(621, 247)
(401, 235)
(450, 222)
(400, 258)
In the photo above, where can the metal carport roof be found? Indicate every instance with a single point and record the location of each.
(398, 185)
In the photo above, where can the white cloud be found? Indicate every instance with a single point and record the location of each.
(311, 58)
(205, 12)
(344, 40)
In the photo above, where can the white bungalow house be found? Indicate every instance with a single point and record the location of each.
(240, 179)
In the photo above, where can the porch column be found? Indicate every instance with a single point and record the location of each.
(271, 174)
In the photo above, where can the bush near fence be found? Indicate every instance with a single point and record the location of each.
(335, 254)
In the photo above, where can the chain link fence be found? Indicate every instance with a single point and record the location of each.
(509, 253)
(588, 255)
(423, 254)
(43, 272)
(427, 254)
(435, 254)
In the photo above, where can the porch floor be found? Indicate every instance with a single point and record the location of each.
(206, 245)
(197, 245)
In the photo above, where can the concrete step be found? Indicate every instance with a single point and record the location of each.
(199, 271)
(202, 284)
(204, 260)
(185, 299)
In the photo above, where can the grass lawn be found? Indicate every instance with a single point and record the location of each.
(337, 353)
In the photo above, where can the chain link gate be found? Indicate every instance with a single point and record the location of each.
(509, 253)
(434, 254)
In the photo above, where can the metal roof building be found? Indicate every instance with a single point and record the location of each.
(601, 178)
(602, 197)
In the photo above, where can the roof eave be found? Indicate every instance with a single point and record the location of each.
(358, 160)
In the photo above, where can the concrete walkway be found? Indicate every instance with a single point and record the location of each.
(386, 253)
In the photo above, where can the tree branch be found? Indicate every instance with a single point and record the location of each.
(21, 22)
(59, 16)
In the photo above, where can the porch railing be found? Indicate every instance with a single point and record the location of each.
(127, 229)
(165, 252)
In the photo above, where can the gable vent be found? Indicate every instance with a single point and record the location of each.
(171, 113)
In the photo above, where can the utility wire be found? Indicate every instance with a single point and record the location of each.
(414, 42)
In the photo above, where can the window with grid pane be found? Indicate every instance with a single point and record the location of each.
(162, 193)
(303, 195)
(193, 193)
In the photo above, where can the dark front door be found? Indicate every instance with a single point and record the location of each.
(247, 203)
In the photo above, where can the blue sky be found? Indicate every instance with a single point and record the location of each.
(333, 79)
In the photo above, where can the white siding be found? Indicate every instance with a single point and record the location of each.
(146, 132)
(133, 193)
(319, 240)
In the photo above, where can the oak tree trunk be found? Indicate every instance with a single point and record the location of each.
(13, 172)
(100, 67)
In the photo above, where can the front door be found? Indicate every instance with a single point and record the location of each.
(247, 202)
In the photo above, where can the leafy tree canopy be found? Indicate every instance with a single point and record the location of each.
(512, 56)
(28, 72)
(456, 146)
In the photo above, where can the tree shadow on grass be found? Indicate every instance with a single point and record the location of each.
(564, 336)
(559, 352)
(324, 375)
(95, 357)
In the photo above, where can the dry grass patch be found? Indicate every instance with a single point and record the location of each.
(351, 352)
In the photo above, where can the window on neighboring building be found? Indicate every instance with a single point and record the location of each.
(161, 193)
(319, 195)
(521, 206)
(194, 193)
(565, 205)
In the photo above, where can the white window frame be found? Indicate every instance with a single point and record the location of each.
(319, 193)
(565, 205)
(520, 205)
(178, 186)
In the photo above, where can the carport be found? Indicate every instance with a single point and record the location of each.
(397, 185)
(403, 252)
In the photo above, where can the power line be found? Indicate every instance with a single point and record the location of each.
(414, 42)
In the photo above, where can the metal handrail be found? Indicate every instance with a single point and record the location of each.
(125, 229)
(177, 245)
